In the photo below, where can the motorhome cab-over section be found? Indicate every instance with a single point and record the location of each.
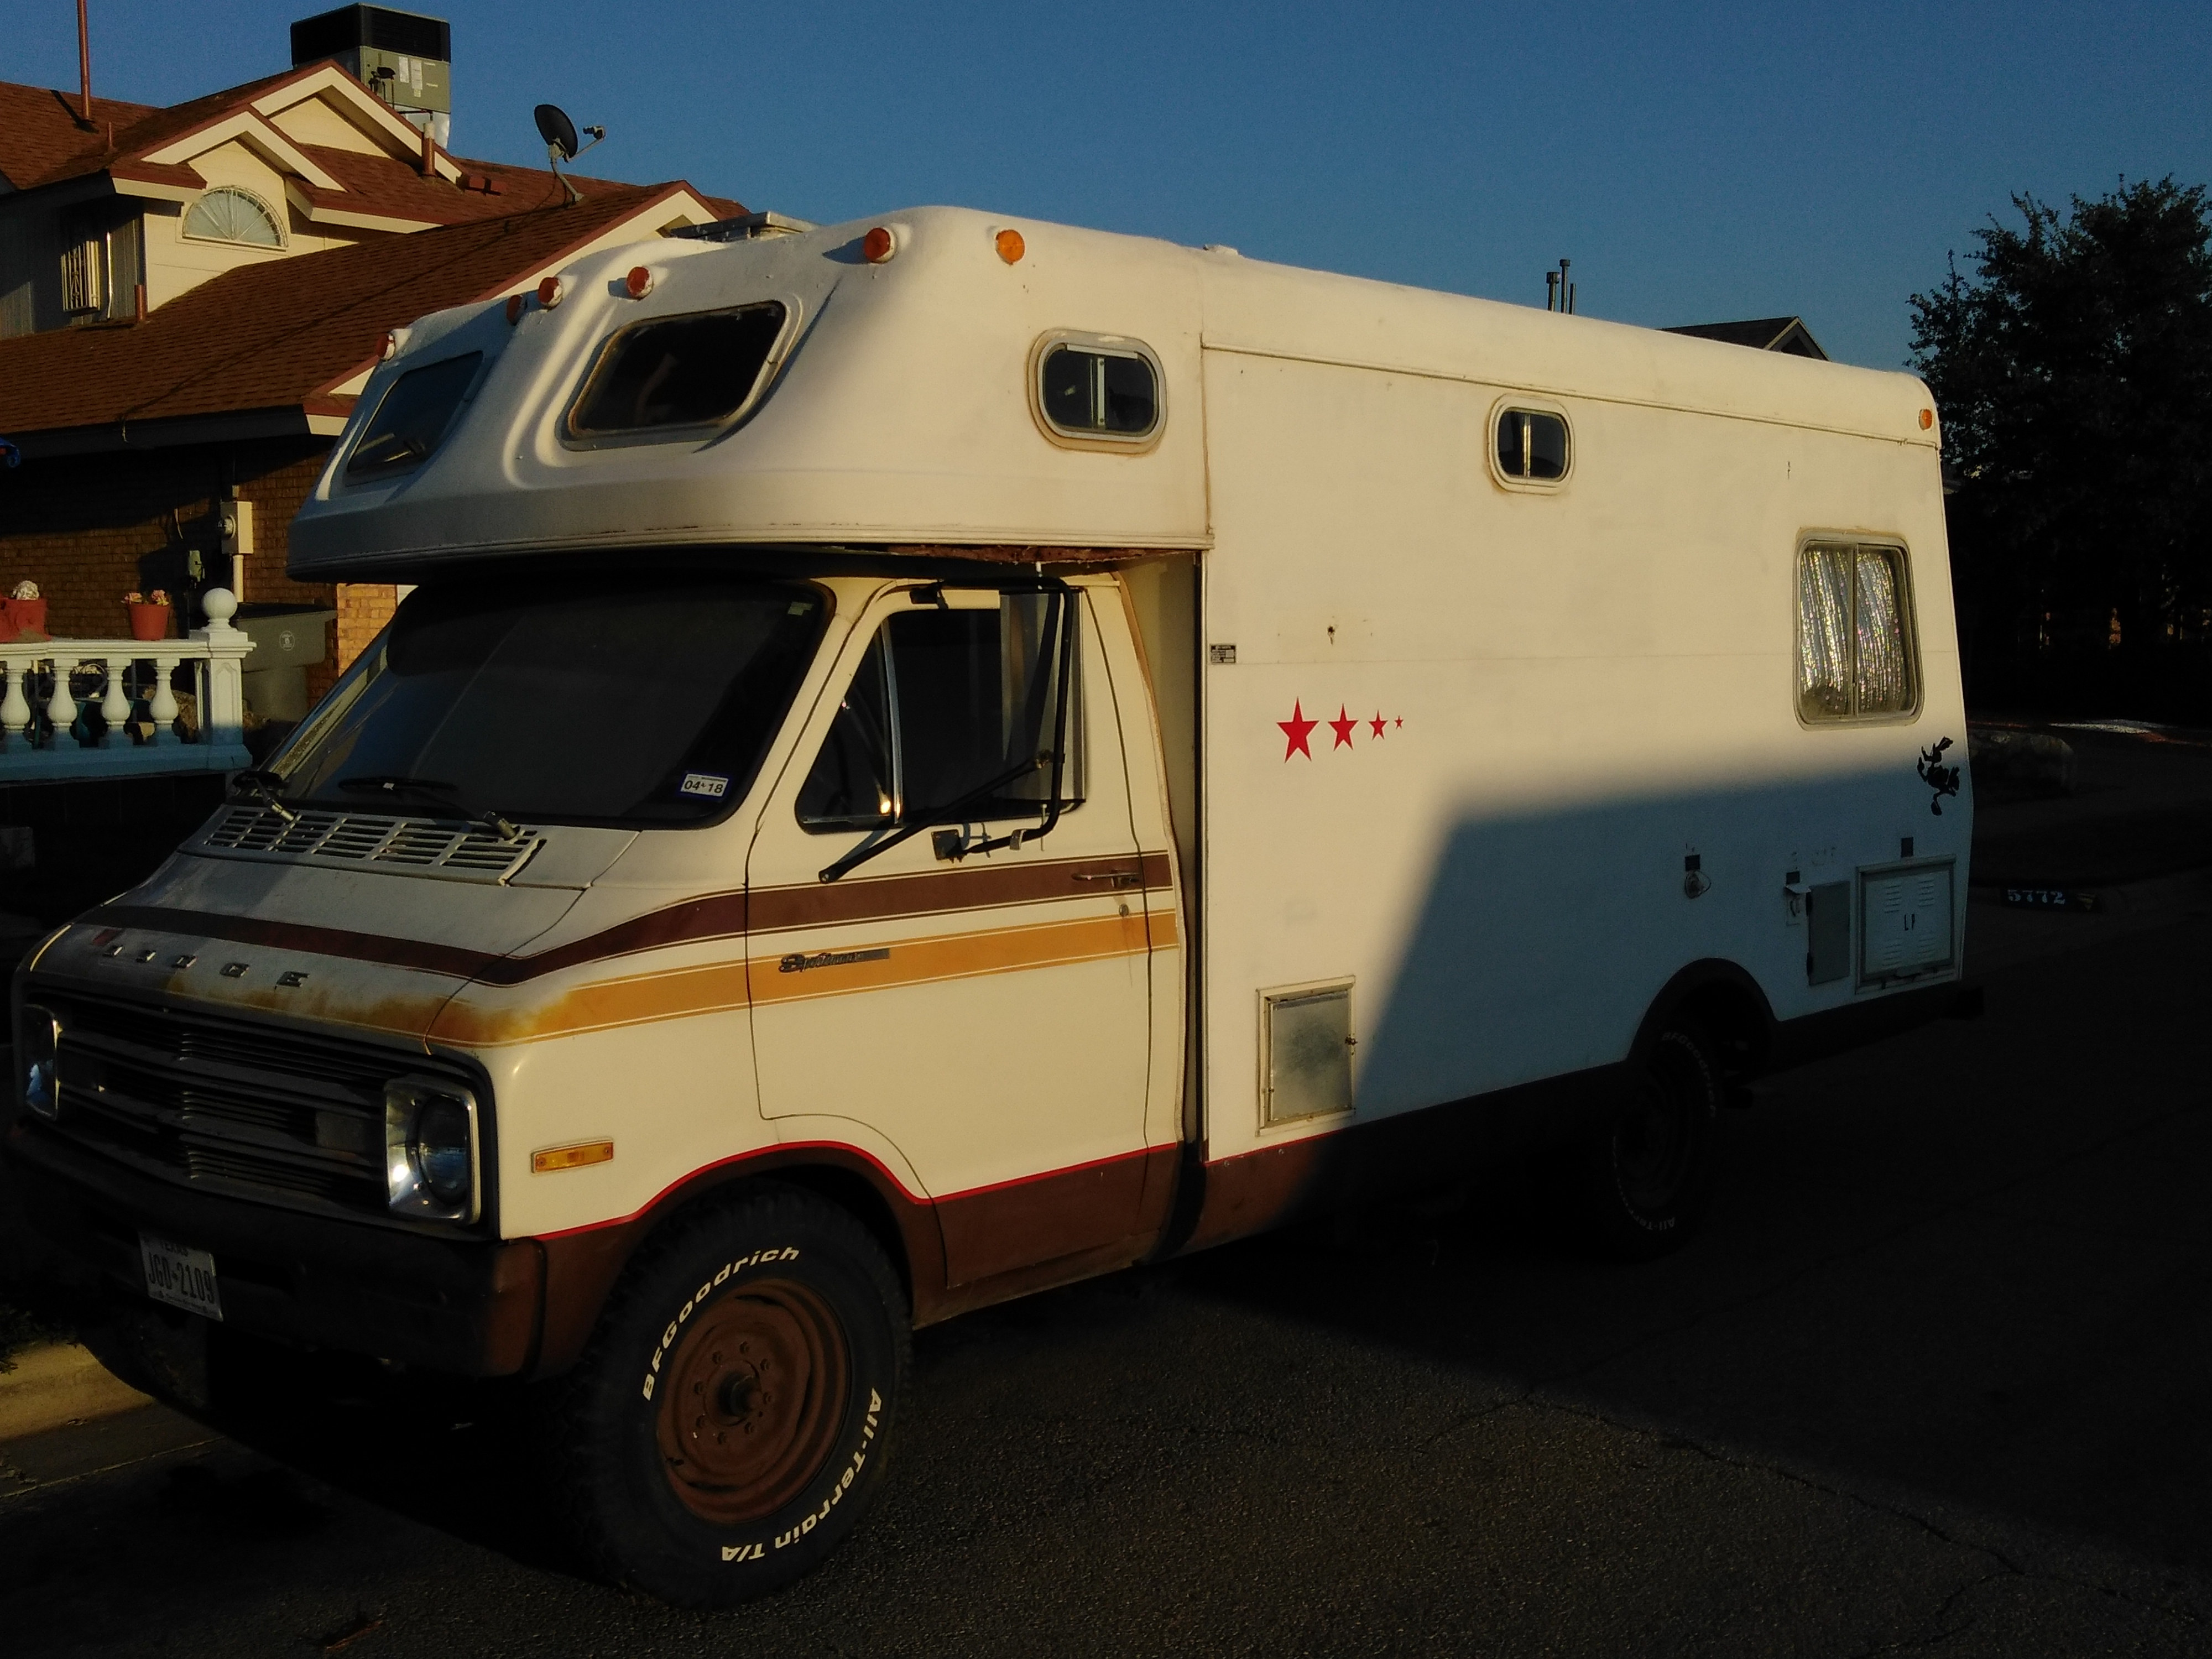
(932, 757)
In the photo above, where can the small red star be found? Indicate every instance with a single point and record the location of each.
(1342, 725)
(1296, 729)
(1401, 720)
(1378, 723)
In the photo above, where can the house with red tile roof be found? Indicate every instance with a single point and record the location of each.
(191, 296)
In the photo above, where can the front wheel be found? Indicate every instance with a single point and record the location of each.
(727, 1428)
(1644, 1168)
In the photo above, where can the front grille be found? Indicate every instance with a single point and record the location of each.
(456, 851)
(224, 1106)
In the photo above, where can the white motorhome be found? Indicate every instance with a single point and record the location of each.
(932, 757)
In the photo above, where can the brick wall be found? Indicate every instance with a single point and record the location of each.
(363, 609)
(89, 528)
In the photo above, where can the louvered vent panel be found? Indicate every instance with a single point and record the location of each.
(307, 833)
(481, 853)
(416, 843)
(348, 838)
(357, 838)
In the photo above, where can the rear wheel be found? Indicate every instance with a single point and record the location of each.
(727, 1428)
(1645, 1167)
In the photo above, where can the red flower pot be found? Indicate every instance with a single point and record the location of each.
(150, 622)
(25, 613)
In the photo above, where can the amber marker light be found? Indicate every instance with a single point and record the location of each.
(638, 284)
(1011, 246)
(550, 292)
(1927, 419)
(571, 1158)
(878, 244)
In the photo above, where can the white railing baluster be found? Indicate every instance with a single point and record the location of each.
(61, 708)
(14, 711)
(115, 708)
(163, 704)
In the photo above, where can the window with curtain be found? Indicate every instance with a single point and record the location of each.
(1855, 658)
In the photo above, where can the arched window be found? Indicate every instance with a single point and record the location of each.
(229, 214)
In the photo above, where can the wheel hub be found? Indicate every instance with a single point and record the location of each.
(752, 1401)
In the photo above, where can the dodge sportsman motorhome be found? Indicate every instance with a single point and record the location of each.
(930, 758)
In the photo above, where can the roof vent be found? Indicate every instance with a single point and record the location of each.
(403, 57)
(744, 229)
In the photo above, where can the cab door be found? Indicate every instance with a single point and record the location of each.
(976, 994)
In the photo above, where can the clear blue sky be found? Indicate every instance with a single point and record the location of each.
(1695, 162)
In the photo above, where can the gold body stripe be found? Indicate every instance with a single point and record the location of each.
(720, 987)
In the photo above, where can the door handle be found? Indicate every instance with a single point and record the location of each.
(1118, 878)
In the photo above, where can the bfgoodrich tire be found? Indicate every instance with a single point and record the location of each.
(727, 1429)
(1644, 1168)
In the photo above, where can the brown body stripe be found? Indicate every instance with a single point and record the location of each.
(714, 916)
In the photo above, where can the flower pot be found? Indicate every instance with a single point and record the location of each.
(150, 622)
(22, 614)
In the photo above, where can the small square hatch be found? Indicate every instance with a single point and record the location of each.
(1828, 934)
(1305, 1043)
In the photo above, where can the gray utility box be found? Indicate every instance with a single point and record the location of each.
(287, 640)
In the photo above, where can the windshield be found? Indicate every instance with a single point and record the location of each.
(647, 702)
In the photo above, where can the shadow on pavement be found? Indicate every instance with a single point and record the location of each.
(1968, 1267)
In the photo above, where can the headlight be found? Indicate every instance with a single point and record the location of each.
(36, 1055)
(430, 1162)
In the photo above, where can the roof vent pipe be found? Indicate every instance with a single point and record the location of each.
(84, 61)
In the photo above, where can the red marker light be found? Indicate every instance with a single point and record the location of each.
(391, 344)
(638, 284)
(878, 244)
(513, 309)
(550, 292)
(1011, 246)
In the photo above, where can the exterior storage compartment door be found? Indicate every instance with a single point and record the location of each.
(1904, 923)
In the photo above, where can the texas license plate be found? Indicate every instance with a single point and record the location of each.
(180, 1276)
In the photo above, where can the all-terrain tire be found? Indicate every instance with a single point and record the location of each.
(1643, 1169)
(727, 1427)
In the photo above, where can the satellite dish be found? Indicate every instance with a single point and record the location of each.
(558, 131)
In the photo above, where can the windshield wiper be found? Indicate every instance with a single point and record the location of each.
(951, 812)
(267, 787)
(398, 783)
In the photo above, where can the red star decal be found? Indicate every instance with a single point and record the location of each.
(1342, 725)
(1377, 723)
(1401, 720)
(1296, 729)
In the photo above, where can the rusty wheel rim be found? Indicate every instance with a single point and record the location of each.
(753, 1400)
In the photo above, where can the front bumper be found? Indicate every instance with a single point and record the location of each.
(467, 1306)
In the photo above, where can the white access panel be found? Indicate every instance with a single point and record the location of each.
(1905, 922)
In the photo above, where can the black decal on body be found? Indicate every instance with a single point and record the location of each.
(1944, 779)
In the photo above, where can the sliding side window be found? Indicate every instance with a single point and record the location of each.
(1856, 657)
(946, 700)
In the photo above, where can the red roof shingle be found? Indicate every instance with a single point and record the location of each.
(277, 335)
(280, 334)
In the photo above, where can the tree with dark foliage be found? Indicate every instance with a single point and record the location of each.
(2074, 372)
